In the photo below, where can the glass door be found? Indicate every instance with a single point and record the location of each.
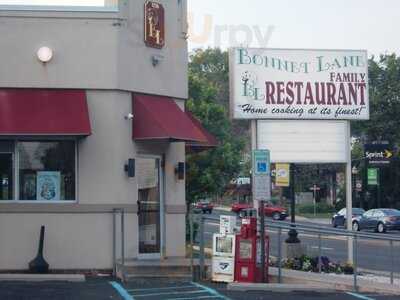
(149, 207)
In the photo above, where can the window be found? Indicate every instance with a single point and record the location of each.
(60, 5)
(46, 170)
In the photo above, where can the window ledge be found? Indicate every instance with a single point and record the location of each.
(62, 207)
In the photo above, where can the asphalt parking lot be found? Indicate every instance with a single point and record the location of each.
(154, 289)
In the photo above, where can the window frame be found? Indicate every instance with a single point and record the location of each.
(16, 161)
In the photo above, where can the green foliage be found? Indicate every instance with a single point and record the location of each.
(384, 124)
(320, 208)
(209, 172)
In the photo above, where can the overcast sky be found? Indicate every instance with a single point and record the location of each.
(333, 24)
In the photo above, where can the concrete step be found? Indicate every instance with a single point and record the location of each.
(155, 269)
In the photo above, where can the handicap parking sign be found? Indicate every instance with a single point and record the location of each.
(261, 162)
(261, 167)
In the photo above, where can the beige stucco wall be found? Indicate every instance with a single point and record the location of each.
(94, 50)
(104, 54)
(72, 241)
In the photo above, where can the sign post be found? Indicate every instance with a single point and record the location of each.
(261, 193)
(315, 189)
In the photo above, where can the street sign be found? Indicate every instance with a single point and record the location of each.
(282, 175)
(378, 153)
(373, 176)
(261, 175)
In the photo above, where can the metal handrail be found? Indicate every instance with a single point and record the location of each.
(121, 212)
(319, 231)
(323, 230)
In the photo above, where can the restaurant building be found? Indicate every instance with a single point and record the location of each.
(92, 119)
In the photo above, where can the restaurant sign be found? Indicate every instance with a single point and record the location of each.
(299, 84)
(154, 24)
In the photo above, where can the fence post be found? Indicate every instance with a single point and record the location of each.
(202, 247)
(191, 241)
(355, 261)
(391, 262)
(279, 255)
(122, 237)
(114, 217)
(319, 252)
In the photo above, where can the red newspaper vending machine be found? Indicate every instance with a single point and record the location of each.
(248, 253)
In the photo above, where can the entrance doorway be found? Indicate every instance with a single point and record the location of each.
(150, 208)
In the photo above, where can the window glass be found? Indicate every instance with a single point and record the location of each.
(342, 212)
(60, 4)
(6, 176)
(369, 213)
(46, 170)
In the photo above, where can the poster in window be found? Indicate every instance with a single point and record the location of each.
(147, 173)
(48, 186)
(29, 187)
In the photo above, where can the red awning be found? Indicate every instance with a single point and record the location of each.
(160, 118)
(211, 140)
(44, 112)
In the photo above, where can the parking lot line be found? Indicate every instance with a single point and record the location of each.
(163, 288)
(170, 293)
(211, 291)
(123, 293)
(200, 297)
(359, 296)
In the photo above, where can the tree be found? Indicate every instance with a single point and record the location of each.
(209, 172)
(384, 124)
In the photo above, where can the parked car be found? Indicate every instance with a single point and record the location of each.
(238, 207)
(275, 212)
(380, 220)
(339, 218)
(204, 207)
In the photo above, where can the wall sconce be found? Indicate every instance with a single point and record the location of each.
(180, 170)
(45, 54)
(156, 60)
(130, 168)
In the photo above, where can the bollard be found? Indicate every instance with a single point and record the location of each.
(279, 255)
(202, 248)
(355, 258)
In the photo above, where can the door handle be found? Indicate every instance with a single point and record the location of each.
(138, 207)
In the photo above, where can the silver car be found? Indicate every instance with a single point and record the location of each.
(380, 220)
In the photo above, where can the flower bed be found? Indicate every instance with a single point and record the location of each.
(310, 264)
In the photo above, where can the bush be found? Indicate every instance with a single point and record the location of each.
(320, 208)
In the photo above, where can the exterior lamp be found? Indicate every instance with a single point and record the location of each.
(130, 168)
(180, 170)
(45, 54)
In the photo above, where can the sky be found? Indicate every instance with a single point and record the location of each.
(320, 24)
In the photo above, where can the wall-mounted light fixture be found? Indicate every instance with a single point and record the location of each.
(180, 170)
(156, 60)
(129, 117)
(45, 54)
(130, 168)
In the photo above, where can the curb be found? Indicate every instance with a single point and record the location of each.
(280, 288)
(43, 277)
